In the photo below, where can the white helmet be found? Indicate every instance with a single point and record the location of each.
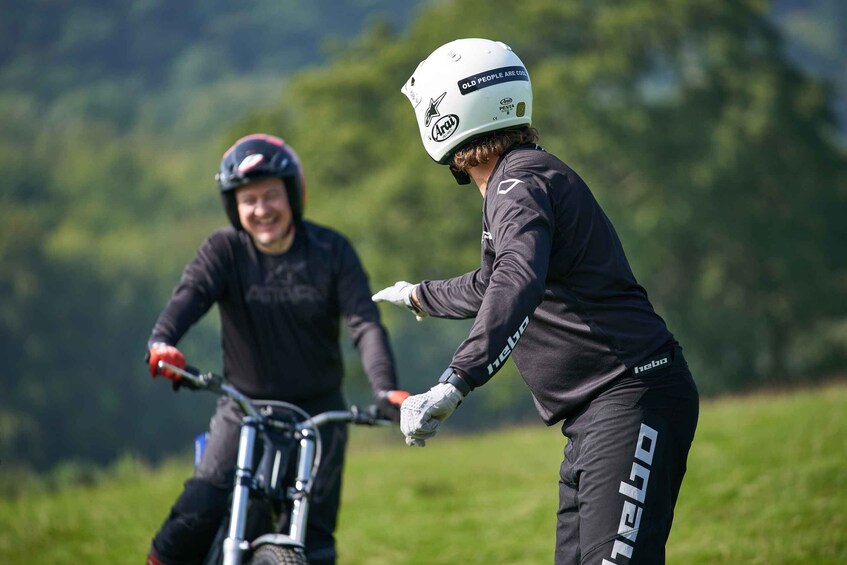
(466, 88)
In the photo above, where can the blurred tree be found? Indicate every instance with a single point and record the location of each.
(712, 153)
(109, 117)
(816, 37)
(710, 150)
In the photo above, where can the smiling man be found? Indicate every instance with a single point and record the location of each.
(281, 284)
(265, 214)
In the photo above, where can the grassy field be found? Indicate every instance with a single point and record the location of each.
(767, 484)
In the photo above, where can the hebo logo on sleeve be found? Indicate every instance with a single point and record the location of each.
(512, 342)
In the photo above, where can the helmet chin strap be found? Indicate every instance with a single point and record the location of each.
(461, 177)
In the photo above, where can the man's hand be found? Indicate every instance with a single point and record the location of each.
(421, 414)
(169, 354)
(389, 402)
(401, 295)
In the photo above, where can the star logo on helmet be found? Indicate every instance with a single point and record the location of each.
(432, 111)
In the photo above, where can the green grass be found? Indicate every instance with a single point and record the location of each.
(767, 483)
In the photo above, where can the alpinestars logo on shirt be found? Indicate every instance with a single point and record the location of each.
(505, 186)
(282, 286)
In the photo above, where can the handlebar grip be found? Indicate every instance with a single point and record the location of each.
(191, 376)
(369, 416)
(362, 417)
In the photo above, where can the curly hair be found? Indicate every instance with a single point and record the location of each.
(491, 146)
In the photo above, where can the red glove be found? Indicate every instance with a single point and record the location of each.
(169, 354)
(389, 401)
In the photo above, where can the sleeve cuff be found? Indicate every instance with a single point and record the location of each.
(452, 377)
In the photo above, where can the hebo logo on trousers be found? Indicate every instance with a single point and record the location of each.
(635, 493)
(512, 342)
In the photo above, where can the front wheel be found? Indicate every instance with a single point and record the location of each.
(279, 555)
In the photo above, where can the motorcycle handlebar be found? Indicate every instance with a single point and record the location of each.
(355, 415)
(209, 381)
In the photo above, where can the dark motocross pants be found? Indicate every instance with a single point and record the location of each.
(188, 531)
(623, 466)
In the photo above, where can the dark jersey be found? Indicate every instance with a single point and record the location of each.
(280, 314)
(554, 289)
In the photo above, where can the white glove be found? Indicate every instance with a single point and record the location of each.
(400, 295)
(421, 414)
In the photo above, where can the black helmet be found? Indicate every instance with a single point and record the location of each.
(260, 156)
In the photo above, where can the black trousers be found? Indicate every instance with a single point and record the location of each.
(188, 531)
(623, 467)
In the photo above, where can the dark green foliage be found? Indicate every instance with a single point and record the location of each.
(713, 153)
(110, 134)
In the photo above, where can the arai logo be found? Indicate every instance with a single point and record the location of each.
(445, 127)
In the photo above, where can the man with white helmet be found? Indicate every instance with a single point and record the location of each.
(555, 291)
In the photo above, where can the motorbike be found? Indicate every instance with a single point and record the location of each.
(279, 454)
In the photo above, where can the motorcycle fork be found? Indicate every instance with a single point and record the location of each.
(302, 487)
(235, 544)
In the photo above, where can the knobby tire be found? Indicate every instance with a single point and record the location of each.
(279, 555)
